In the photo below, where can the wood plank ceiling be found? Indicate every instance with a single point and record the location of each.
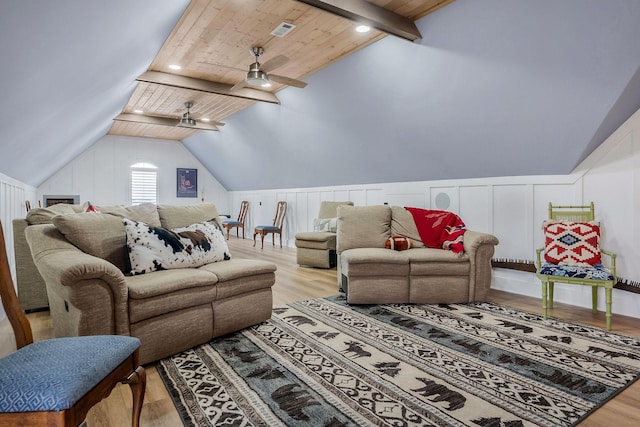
(212, 42)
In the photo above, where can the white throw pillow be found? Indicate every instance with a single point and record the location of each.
(157, 248)
(325, 224)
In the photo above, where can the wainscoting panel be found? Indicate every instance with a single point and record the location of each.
(476, 207)
(512, 214)
(445, 198)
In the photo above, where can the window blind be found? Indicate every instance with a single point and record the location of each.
(144, 187)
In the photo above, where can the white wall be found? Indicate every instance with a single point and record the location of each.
(13, 194)
(101, 174)
(512, 208)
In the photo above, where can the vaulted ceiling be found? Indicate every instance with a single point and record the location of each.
(489, 88)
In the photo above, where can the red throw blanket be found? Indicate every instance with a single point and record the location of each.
(439, 229)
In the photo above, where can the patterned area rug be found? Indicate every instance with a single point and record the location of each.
(322, 362)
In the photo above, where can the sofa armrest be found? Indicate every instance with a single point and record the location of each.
(86, 292)
(480, 248)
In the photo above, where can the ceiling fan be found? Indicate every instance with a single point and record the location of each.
(259, 74)
(185, 121)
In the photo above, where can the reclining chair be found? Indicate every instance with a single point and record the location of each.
(318, 248)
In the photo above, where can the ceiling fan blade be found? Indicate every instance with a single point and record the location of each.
(242, 83)
(287, 81)
(273, 63)
(222, 66)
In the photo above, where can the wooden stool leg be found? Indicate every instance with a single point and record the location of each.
(262, 240)
(255, 233)
(608, 298)
(594, 299)
(544, 300)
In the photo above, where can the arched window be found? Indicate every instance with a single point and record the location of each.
(144, 183)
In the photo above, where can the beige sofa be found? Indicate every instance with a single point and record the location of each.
(368, 273)
(32, 291)
(318, 248)
(171, 310)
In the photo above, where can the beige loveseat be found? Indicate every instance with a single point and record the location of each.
(83, 258)
(368, 273)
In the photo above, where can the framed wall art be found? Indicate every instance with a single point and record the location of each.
(187, 182)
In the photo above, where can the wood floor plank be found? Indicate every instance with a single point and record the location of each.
(294, 283)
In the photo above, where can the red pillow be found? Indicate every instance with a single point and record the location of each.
(572, 243)
(398, 243)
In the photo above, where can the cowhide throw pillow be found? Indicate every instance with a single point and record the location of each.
(156, 248)
(398, 243)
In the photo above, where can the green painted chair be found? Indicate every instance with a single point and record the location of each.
(569, 232)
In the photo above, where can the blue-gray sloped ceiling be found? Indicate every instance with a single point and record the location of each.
(67, 69)
(494, 88)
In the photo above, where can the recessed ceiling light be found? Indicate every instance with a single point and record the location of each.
(363, 28)
(138, 111)
(175, 67)
(204, 119)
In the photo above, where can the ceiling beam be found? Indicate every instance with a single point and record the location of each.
(173, 80)
(368, 13)
(165, 121)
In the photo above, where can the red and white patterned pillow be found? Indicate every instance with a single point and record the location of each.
(572, 243)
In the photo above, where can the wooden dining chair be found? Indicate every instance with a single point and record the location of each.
(228, 224)
(55, 382)
(275, 228)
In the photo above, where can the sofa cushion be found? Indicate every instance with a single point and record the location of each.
(183, 216)
(329, 209)
(143, 286)
(237, 268)
(363, 227)
(438, 262)
(45, 215)
(241, 276)
(100, 235)
(374, 262)
(403, 224)
(145, 212)
(168, 291)
(316, 240)
(159, 248)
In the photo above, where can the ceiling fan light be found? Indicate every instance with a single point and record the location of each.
(187, 121)
(258, 78)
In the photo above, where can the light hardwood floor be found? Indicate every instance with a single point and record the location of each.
(294, 283)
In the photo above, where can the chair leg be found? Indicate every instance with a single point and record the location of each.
(544, 300)
(137, 382)
(594, 299)
(608, 298)
(280, 234)
(551, 287)
(255, 233)
(227, 232)
(261, 240)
